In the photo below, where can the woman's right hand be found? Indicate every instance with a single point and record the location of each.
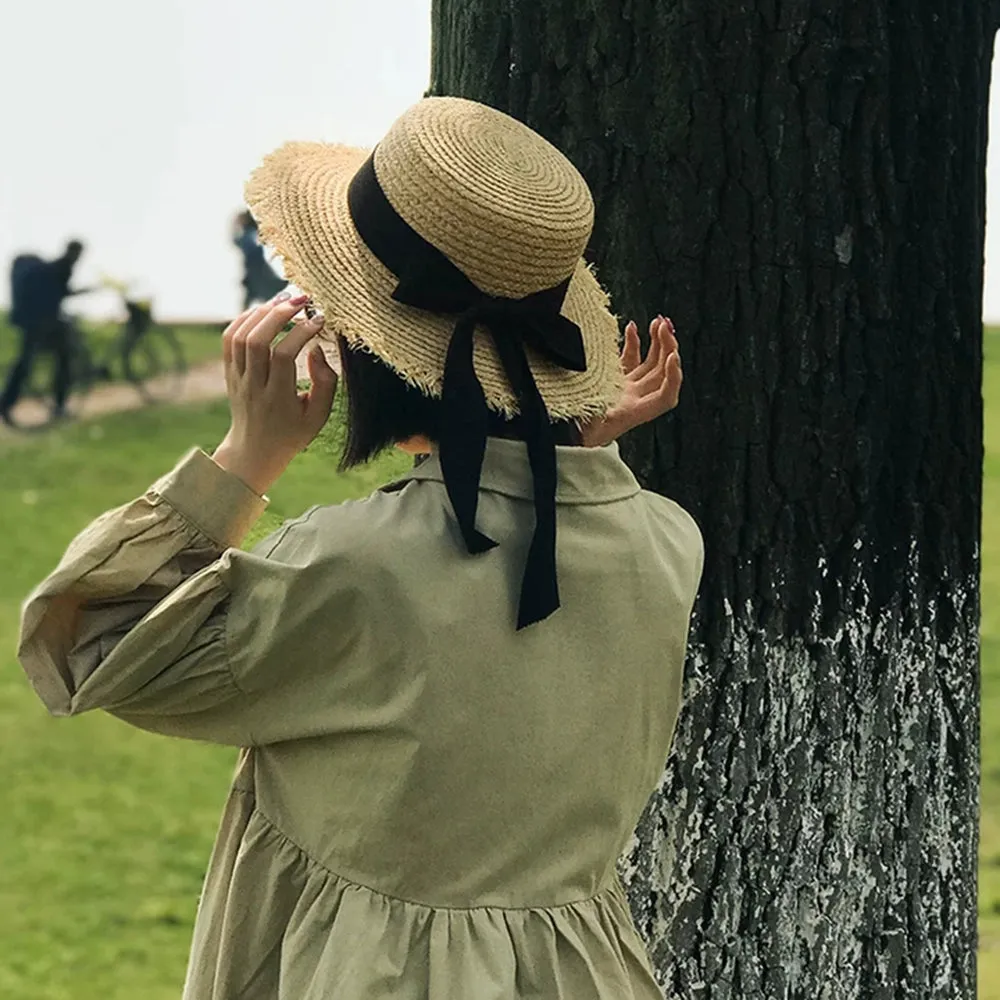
(652, 385)
(271, 421)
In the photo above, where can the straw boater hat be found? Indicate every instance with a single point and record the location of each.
(453, 253)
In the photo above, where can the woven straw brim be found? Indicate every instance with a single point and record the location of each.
(299, 198)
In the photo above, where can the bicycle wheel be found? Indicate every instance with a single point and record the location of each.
(39, 383)
(83, 371)
(154, 363)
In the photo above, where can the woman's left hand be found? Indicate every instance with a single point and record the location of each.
(271, 421)
(652, 385)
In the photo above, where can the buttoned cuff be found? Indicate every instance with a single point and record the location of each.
(215, 501)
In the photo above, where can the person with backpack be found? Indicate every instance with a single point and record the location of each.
(38, 289)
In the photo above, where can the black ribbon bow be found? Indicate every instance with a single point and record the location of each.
(428, 280)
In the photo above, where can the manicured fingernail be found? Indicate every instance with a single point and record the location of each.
(282, 297)
(299, 300)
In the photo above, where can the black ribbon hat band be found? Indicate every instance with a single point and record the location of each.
(428, 280)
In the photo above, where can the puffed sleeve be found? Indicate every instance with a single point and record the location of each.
(133, 619)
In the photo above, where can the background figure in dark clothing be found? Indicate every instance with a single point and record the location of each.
(260, 283)
(38, 289)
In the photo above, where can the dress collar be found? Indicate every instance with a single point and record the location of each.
(584, 475)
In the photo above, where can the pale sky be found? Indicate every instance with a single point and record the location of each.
(133, 124)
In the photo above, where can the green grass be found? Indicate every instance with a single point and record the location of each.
(105, 831)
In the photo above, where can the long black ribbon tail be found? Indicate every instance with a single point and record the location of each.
(539, 585)
(464, 426)
(428, 280)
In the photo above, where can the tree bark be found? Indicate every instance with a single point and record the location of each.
(800, 184)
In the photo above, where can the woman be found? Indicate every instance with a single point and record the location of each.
(451, 721)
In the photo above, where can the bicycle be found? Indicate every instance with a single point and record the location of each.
(149, 355)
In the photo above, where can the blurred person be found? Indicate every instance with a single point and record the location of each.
(455, 697)
(38, 290)
(260, 282)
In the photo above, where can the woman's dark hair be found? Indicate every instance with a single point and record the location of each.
(383, 409)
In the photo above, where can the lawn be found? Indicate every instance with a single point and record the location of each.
(105, 831)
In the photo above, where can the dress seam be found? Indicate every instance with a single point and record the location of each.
(277, 537)
(227, 657)
(355, 884)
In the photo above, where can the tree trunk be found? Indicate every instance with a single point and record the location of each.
(801, 186)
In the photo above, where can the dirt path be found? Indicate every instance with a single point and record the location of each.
(204, 381)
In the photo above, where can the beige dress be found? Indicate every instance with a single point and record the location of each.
(430, 804)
